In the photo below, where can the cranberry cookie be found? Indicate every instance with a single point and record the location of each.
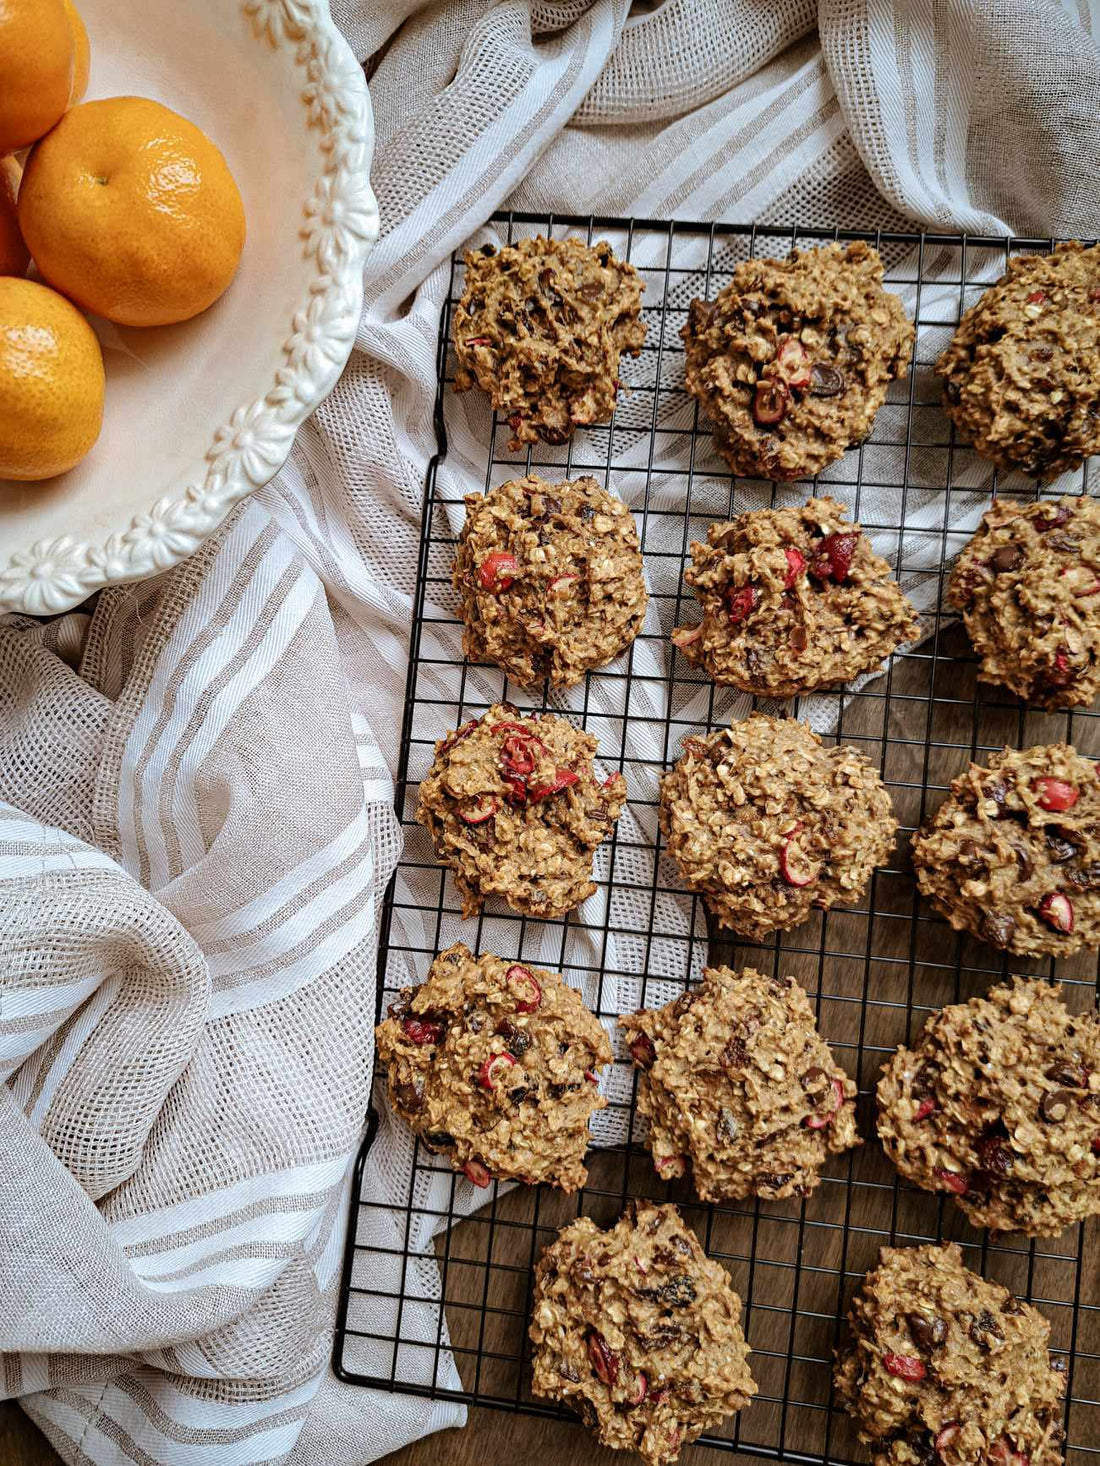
(1013, 853)
(639, 1332)
(999, 1103)
(765, 823)
(735, 1078)
(550, 579)
(541, 327)
(942, 1366)
(793, 599)
(792, 361)
(1028, 586)
(1022, 372)
(493, 1064)
(514, 809)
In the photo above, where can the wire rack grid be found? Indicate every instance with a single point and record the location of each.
(874, 971)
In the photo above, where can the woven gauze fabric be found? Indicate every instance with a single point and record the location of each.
(196, 821)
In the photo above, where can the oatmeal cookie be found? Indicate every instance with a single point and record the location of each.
(1022, 372)
(1013, 854)
(735, 1078)
(541, 327)
(791, 362)
(1028, 587)
(550, 579)
(793, 599)
(639, 1332)
(514, 809)
(765, 823)
(999, 1103)
(941, 1366)
(493, 1064)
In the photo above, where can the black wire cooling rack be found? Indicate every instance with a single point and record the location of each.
(454, 1326)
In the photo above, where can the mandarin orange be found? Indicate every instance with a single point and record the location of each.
(37, 60)
(51, 382)
(131, 211)
(14, 257)
(82, 53)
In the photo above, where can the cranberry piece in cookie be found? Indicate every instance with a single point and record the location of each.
(497, 572)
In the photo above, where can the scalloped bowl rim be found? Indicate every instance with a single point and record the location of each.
(254, 441)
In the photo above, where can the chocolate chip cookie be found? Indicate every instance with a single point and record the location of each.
(999, 1104)
(1022, 372)
(541, 327)
(793, 599)
(494, 1064)
(1013, 854)
(550, 579)
(639, 1332)
(734, 1077)
(791, 362)
(1028, 586)
(942, 1366)
(514, 809)
(765, 823)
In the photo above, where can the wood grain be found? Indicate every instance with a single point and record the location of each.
(21, 1443)
(521, 1438)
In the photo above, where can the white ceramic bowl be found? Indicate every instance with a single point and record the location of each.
(200, 414)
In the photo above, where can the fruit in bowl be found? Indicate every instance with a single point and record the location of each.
(200, 414)
(131, 211)
(37, 68)
(51, 382)
(14, 255)
(82, 53)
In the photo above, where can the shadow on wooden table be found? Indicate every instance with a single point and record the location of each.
(528, 1438)
(21, 1443)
